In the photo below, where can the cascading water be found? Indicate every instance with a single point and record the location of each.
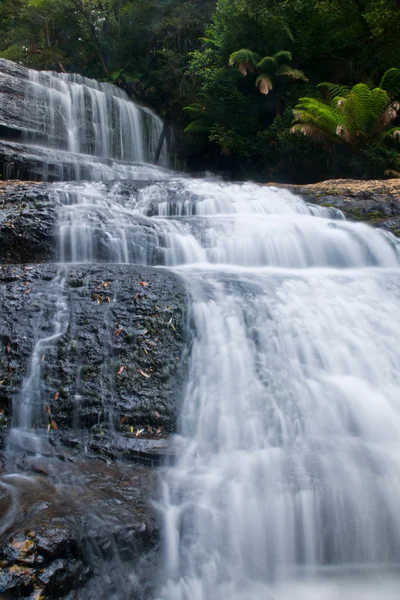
(288, 476)
(84, 116)
(70, 127)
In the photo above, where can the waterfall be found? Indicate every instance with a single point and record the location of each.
(74, 128)
(287, 479)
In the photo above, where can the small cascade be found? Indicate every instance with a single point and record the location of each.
(62, 127)
(83, 116)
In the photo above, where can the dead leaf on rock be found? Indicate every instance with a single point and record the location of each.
(139, 432)
(8, 348)
(106, 284)
(54, 424)
(144, 284)
(144, 373)
(43, 356)
(121, 369)
(119, 331)
(56, 395)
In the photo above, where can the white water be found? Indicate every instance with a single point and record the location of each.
(84, 116)
(287, 483)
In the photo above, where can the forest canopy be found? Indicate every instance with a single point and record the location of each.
(269, 89)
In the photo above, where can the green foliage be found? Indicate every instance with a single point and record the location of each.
(240, 67)
(360, 118)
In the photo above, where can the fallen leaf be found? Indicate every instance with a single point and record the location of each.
(157, 415)
(106, 284)
(131, 429)
(123, 420)
(8, 347)
(135, 297)
(146, 352)
(144, 284)
(149, 429)
(108, 300)
(2, 381)
(43, 357)
(48, 427)
(54, 424)
(139, 432)
(160, 429)
(56, 395)
(144, 373)
(119, 331)
(121, 369)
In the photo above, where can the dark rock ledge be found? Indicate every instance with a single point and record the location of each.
(375, 202)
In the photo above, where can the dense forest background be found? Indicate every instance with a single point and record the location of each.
(240, 80)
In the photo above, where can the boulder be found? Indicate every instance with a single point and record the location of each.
(108, 340)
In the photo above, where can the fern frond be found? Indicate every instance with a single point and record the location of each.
(390, 82)
(196, 110)
(264, 83)
(245, 60)
(284, 56)
(268, 64)
(290, 72)
(279, 33)
(197, 126)
(333, 89)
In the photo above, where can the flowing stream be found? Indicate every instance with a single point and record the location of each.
(287, 477)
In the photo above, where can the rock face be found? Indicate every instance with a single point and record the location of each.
(27, 223)
(98, 350)
(116, 364)
(375, 202)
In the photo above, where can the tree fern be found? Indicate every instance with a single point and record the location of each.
(245, 60)
(361, 116)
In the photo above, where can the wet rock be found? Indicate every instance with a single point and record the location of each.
(90, 513)
(375, 202)
(20, 116)
(118, 362)
(27, 223)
